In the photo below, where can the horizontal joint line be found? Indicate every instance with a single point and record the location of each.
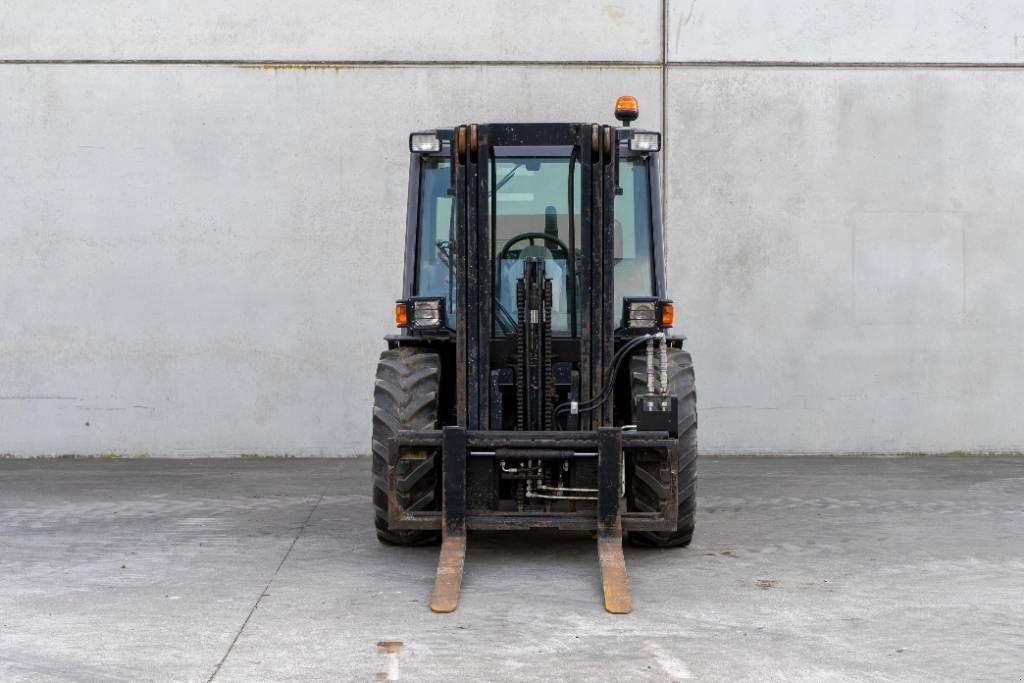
(342, 63)
(845, 65)
(625, 64)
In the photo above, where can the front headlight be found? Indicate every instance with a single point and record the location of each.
(428, 313)
(645, 314)
(421, 313)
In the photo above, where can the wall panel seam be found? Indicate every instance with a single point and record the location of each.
(664, 124)
(335, 63)
(843, 65)
(660, 64)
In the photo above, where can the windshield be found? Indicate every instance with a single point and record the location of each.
(532, 219)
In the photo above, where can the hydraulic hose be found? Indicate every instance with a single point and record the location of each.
(606, 391)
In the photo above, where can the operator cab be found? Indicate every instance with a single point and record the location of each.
(531, 192)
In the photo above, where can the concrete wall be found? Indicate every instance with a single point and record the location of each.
(200, 243)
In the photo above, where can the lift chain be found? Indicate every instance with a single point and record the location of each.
(521, 353)
(549, 374)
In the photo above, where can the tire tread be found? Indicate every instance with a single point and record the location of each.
(649, 475)
(405, 396)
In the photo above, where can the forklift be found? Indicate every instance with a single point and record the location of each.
(534, 381)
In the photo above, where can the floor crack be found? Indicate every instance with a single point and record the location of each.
(266, 588)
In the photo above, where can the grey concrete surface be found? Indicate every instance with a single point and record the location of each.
(855, 228)
(816, 569)
(208, 263)
(201, 259)
(980, 31)
(365, 30)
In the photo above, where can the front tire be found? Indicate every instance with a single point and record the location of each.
(650, 474)
(405, 396)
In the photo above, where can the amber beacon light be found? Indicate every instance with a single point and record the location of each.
(626, 109)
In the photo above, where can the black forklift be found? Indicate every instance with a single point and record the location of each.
(534, 382)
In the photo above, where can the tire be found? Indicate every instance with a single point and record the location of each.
(405, 396)
(650, 473)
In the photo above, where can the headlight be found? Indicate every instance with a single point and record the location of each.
(646, 314)
(426, 313)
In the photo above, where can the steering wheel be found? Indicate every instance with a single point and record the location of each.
(532, 236)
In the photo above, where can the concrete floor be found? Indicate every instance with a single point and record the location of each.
(240, 570)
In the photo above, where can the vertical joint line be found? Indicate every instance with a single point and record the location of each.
(664, 117)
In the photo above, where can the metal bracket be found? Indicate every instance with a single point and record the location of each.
(448, 582)
(614, 579)
(445, 597)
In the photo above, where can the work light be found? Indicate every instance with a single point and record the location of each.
(424, 142)
(645, 142)
(646, 313)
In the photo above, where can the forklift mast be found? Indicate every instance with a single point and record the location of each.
(595, 149)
